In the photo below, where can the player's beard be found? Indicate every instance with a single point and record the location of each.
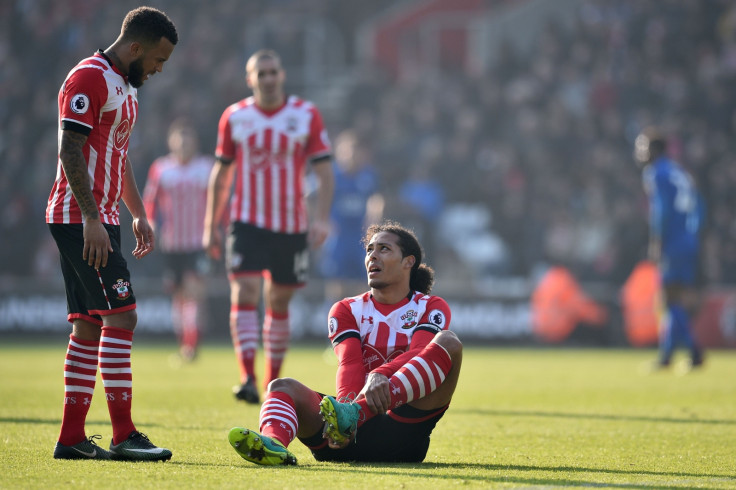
(135, 73)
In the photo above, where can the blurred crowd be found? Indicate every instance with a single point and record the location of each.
(542, 140)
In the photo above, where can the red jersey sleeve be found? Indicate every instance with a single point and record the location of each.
(225, 148)
(150, 192)
(341, 323)
(435, 319)
(318, 145)
(81, 99)
(345, 337)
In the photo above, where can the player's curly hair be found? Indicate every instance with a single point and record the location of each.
(148, 25)
(422, 275)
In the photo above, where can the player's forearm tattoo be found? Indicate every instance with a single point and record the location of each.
(75, 169)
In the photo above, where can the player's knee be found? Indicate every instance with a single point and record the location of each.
(284, 385)
(127, 320)
(450, 342)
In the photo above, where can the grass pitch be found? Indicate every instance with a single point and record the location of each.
(520, 418)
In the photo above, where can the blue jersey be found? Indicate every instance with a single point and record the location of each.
(342, 252)
(352, 191)
(675, 216)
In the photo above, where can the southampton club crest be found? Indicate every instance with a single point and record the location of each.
(410, 319)
(123, 289)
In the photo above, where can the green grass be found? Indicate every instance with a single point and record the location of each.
(520, 418)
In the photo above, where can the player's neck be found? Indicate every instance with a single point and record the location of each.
(390, 295)
(270, 105)
(114, 59)
(182, 158)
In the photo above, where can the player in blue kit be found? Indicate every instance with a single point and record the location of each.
(675, 217)
(356, 204)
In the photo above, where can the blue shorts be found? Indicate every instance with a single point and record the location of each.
(679, 268)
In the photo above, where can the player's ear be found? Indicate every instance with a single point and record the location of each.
(136, 50)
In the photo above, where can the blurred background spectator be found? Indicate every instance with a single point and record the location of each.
(516, 118)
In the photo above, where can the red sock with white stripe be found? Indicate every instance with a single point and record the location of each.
(190, 324)
(80, 371)
(275, 343)
(278, 417)
(422, 375)
(117, 378)
(244, 332)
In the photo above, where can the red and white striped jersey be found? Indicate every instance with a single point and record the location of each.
(175, 197)
(95, 99)
(270, 150)
(385, 331)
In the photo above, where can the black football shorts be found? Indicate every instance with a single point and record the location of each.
(284, 256)
(92, 293)
(400, 436)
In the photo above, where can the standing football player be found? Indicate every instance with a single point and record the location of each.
(266, 142)
(398, 369)
(357, 204)
(675, 217)
(175, 197)
(98, 107)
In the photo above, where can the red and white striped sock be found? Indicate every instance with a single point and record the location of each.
(278, 417)
(80, 372)
(117, 377)
(275, 343)
(422, 375)
(244, 332)
(190, 324)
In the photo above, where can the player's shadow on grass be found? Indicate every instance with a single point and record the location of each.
(39, 421)
(595, 416)
(478, 472)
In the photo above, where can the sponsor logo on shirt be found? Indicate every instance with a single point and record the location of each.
(121, 135)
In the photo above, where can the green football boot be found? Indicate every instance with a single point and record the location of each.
(258, 449)
(341, 419)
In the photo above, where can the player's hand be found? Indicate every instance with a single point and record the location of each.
(212, 243)
(144, 238)
(335, 445)
(318, 232)
(97, 245)
(377, 393)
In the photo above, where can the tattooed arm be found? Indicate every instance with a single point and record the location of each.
(96, 240)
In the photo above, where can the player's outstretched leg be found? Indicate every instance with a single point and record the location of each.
(87, 449)
(341, 419)
(259, 449)
(137, 447)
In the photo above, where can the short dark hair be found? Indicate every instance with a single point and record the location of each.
(148, 25)
(258, 56)
(422, 276)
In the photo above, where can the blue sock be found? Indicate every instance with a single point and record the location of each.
(684, 331)
(667, 337)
